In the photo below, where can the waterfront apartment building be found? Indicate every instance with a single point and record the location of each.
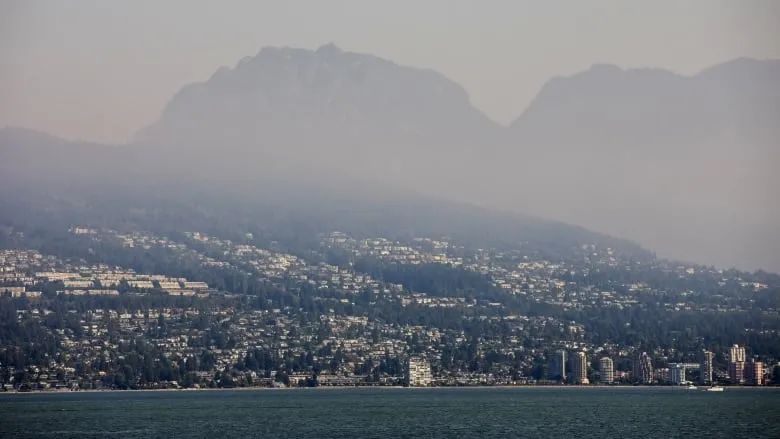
(677, 373)
(737, 354)
(706, 367)
(418, 372)
(754, 372)
(606, 370)
(579, 368)
(661, 375)
(643, 368)
(556, 367)
(737, 364)
(737, 372)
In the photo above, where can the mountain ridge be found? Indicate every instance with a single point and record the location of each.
(646, 154)
(306, 84)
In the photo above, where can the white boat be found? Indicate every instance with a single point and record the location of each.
(691, 387)
(714, 389)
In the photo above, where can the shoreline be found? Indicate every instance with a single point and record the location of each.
(343, 388)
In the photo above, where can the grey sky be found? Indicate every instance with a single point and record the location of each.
(100, 70)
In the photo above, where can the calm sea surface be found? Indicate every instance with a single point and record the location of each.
(360, 413)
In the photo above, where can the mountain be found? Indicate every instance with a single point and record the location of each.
(734, 99)
(48, 184)
(684, 165)
(297, 92)
(327, 108)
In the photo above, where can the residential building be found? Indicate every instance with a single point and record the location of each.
(677, 374)
(579, 368)
(737, 372)
(643, 368)
(556, 369)
(737, 364)
(418, 372)
(737, 354)
(607, 370)
(754, 372)
(705, 369)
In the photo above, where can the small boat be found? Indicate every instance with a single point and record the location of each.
(691, 387)
(714, 389)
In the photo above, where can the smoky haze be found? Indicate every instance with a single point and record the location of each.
(671, 161)
(683, 164)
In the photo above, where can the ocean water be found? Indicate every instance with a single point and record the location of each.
(529, 412)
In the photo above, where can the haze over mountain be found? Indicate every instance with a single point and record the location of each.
(326, 109)
(683, 165)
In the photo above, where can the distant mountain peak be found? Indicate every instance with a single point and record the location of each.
(288, 95)
(610, 93)
(328, 49)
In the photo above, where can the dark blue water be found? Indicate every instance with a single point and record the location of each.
(361, 413)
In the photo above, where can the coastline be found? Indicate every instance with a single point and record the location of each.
(343, 388)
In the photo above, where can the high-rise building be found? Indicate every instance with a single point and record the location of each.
(579, 368)
(418, 372)
(643, 368)
(677, 373)
(737, 354)
(754, 372)
(556, 369)
(606, 370)
(705, 368)
(737, 372)
(737, 364)
(661, 375)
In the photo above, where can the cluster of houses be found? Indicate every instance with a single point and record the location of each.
(23, 272)
(347, 349)
(563, 284)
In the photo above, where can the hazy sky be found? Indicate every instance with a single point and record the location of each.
(100, 70)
